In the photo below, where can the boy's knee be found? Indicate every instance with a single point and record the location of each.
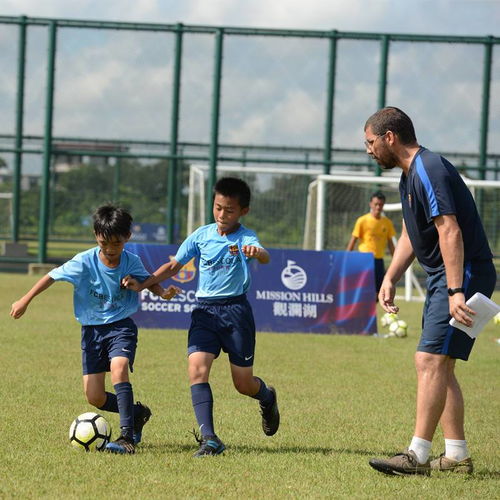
(198, 374)
(119, 370)
(96, 399)
(244, 387)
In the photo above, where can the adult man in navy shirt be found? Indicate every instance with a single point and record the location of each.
(442, 229)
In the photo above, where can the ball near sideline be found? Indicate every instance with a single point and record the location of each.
(89, 431)
(399, 328)
(388, 318)
(496, 319)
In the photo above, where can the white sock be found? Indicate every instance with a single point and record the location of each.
(456, 449)
(421, 447)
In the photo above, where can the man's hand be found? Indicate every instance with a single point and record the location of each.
(460, 310)
(171, 292)
(131, 283)
(386, 297)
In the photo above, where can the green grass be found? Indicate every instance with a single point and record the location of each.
(343, 399)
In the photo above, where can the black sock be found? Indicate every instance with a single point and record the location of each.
(203, 404)
(125, 400)
(111, 403)
(264, 395)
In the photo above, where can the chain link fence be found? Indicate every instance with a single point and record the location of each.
(95, 112)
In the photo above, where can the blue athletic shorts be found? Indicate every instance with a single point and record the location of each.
(379, 273)
(226, 324)
(438, 337)
(101, 343)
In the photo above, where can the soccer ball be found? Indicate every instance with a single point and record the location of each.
(388, 318)
(496, 319)
(398, 328)
(90, 431)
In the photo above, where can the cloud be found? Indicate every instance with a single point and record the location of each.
(117, 84)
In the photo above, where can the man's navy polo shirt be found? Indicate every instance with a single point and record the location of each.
(434, 187)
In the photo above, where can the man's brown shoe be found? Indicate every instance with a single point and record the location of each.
(403, 463)
(448, 464)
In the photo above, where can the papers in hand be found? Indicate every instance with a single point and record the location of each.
(485, 310)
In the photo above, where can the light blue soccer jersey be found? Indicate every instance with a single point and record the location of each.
(98, 298)
(223, 269)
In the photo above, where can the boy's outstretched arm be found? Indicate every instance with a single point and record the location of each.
(19, 307)
(165, 293)
(259, 253)
(162, 273)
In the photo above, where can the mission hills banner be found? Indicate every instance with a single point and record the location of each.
(303, 291)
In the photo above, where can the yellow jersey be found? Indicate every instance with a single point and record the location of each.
(373, 234)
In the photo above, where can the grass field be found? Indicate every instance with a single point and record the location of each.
(343, 399)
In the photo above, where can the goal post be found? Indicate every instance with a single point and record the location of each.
(336, 201)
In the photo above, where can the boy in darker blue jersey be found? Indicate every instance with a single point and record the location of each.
(103, 306)
(443, 230)
(222, 318)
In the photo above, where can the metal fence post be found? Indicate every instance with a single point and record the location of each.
(330, 99)
(18, 156)
(174, 136)
(485, 107)
(330, 102)
(43, 222)
(382, 83)
(214, 135)
(117, 178)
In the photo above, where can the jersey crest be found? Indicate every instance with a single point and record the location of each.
(187, 272)
(233, 249)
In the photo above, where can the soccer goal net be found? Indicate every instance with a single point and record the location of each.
(5, 215)
(336, 201)
(278, 206)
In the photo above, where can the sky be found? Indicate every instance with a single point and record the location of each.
(460, 17)
(117, 84)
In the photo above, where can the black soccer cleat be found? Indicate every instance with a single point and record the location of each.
(123, 445)
(270, 415)
(141, 417)
(209, 445)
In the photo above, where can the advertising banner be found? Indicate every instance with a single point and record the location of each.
(303, 291)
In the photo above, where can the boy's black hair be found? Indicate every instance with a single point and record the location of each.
(379, 195)
(111, 221)
(391, 118)
(232, 187)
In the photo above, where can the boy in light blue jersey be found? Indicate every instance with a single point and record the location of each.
(103, 306)
(222, 318)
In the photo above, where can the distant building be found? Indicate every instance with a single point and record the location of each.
(65, 159)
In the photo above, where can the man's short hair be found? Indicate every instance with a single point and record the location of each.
(111, 221)
(379, 195)
(395, 120)
(232, 187)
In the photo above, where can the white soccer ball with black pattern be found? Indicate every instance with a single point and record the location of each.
(388, 318)
(398, 328)
(90, 431)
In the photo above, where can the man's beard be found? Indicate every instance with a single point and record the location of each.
(388, 161)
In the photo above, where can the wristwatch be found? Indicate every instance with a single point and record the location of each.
(453, 291)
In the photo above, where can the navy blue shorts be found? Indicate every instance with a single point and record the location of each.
(438, 337)
(225, 324)
(379, 273)
(101, 343)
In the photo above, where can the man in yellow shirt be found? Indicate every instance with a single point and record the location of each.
(374, 231)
